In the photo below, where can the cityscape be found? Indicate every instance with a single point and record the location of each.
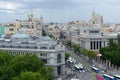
(34, 46)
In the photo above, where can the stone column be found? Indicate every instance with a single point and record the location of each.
(92, 44)
(98, 44)
(102, 43)
(95, 45)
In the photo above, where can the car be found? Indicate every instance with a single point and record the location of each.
(59, 78)
(80, 71)
(103, 71)
(83, 70)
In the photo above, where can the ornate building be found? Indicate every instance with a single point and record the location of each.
(48, 50)
(96, 19)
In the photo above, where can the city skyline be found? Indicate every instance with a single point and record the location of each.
(60, 10)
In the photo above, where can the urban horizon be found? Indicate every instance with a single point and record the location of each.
(59, 11)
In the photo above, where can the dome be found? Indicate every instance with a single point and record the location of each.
(20, 34)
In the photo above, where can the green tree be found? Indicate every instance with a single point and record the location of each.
(23, 67)
(5, 70)
(4, 58)
(76, 48)
(111, 42)
(118, 39)
(31, 76)
(67, 55)
(15, 78)
(33, 62)
(90, 54)
(51, 36)
(49, 73)
(84, 51)
(18, 64)
(69, 43)
(111, 53)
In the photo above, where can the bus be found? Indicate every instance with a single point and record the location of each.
(108, 77)
(79, 67)
(117, 77)
(95, 69)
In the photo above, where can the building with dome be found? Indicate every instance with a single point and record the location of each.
(20, 37)
(48, 50)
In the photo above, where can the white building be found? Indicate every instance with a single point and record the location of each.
(49, 51)
(92, 38)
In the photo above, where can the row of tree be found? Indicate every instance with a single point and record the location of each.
(89, 53)
(112, 52)
(75, 47)
(27, 67)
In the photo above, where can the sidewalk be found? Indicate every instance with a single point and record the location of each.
(103, 67)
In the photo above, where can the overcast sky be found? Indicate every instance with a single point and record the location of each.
(60, 10)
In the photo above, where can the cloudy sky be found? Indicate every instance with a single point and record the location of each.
(60, 10)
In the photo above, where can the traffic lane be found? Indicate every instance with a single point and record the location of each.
(79, 58)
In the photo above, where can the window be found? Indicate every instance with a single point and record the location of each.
(11, 29)
(3, 46)
(59, 70)
(43, 48)
(85, 31)
(93, 31)
(32, 26)
(11, 46)
(90, 44)
(43, 54)
(44, 60)
(27, 46)
(35, 47)
(59, 58)
(19, 46)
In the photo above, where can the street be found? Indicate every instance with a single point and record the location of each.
(88, 75)
(72, 73)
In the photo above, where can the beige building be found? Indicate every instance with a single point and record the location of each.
(11, 28)
(53, 30)
(96, 19)
(31, 25)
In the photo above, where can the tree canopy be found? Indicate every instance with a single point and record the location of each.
(69, 43)
(27, 67)
(67, 55)
(90, 54)
(112, 52)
